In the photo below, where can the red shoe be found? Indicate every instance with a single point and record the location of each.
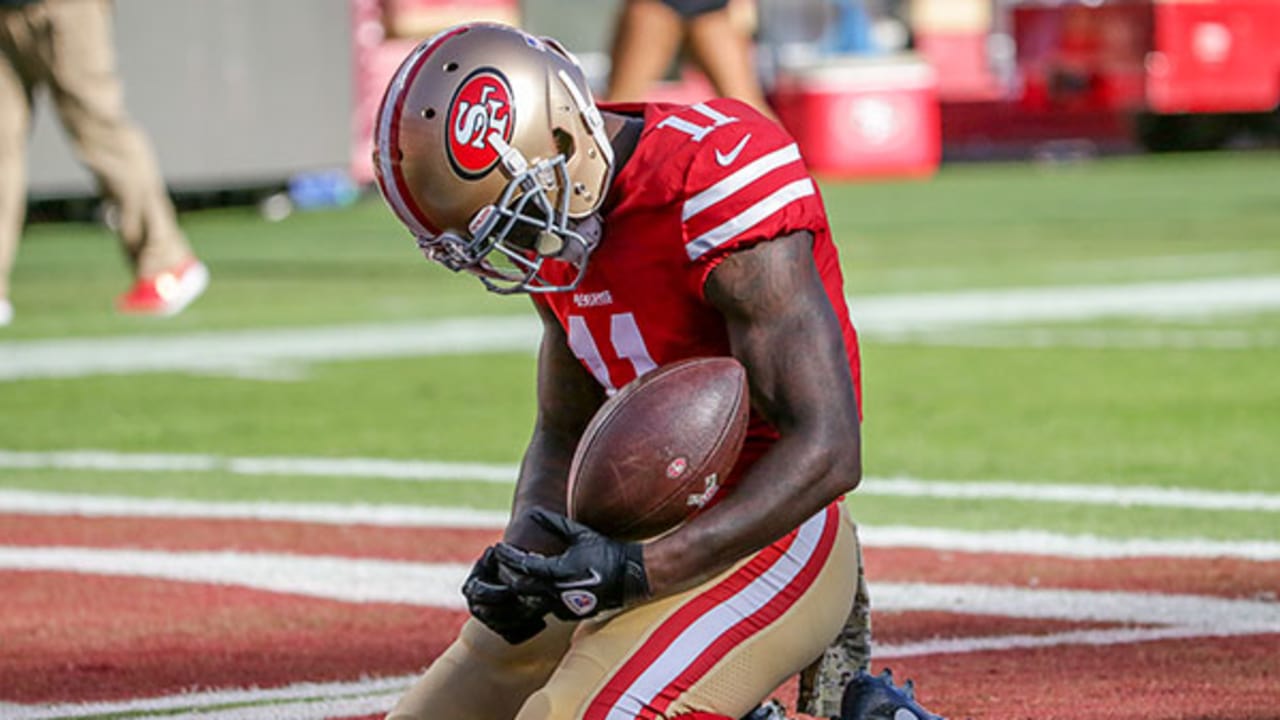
(168, 293)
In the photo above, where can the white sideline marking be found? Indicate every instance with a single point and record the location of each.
(359, 580)
(366, 580)
(1036, 542)
(1182, 299)
(308, 466)
(261, 352)
(419, 470)
(30, 502)
(1137, 608)
(1126, 496)
(1027, 542)
(278, 353)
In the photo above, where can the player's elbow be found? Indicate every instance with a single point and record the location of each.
(847, 469)
(842, 460)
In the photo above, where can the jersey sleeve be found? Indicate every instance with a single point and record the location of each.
(746, 183)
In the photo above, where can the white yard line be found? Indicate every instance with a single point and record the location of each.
(359, 580)
(1112, 495)
(368, 580)
(1111, 606)
(262, 352)
(1037, 542)
(1182, 299)
(105, 460)
(1027, 542)
(282, 352)
(428, 471)
(32, 502)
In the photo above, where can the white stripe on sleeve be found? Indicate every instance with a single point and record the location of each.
(750, 217)
(739, 179)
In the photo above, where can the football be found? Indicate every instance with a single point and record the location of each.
(657, 451)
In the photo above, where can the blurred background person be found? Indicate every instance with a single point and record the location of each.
(67, 47)
(650, 34)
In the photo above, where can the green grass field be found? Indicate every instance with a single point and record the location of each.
(1178, 402)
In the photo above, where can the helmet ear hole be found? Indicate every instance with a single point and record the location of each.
(564, 142)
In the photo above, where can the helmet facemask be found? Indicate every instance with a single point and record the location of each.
(509, 241)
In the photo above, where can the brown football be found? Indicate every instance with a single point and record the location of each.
(657, 451)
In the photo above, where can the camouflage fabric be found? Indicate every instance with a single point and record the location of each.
(822, 683)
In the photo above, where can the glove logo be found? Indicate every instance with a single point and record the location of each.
(580, 602)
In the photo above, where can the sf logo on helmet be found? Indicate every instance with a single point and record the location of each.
(480, 107)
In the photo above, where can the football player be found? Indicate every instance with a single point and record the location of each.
(643, 235)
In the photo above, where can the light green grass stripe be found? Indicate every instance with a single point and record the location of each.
(428, 471)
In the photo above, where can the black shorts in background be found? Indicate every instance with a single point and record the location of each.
(693, 8)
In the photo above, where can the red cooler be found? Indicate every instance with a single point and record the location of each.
(863, 117)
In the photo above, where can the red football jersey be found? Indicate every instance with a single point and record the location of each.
(703, 180)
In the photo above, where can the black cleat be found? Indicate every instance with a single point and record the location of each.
(874, 697)
(771, 710)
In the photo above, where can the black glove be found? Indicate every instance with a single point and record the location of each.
(493, 602)
(593, 574)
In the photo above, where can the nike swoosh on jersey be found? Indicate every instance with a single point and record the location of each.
(726, 159)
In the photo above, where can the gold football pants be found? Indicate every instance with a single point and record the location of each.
(719, 648)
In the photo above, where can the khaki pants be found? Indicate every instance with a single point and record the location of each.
(711, 649)
(67, 46)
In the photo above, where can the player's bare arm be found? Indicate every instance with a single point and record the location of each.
(784, 331)
(568, 397)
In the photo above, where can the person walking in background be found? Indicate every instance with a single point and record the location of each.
(650, 33)
(67, 46)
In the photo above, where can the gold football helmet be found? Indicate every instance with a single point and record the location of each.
(490, 149)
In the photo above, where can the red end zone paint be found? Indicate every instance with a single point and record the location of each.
(69, 637)
(85, 637)
(1205, 679)
(1223, 577)
(909, 627)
